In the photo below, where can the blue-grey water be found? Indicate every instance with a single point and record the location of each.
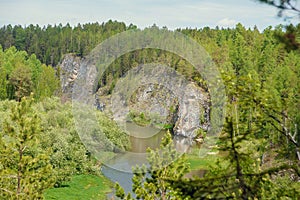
(119, 169)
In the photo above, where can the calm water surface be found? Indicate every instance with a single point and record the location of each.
(119, 169)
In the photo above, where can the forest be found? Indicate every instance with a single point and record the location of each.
(40, 150)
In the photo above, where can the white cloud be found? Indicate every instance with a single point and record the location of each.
(226, 22)
(143, 13)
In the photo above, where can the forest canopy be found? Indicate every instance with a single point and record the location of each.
(261, 74)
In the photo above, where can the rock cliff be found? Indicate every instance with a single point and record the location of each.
(158, 92)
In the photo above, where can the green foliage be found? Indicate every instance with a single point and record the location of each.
(50, 43)
(202, 163)
(168, 126)
(119, 191)
(21, 75)
(25, 167)
(47, 83)
(200, 133)
(261, 73)
(53, 144)
(252, 114)
(113, 133)
(239, 175)
(20, 81)
(68, 156)
(139, 118)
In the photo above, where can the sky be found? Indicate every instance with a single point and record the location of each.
(143, 13)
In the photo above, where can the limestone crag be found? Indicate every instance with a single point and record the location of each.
(193, 112)
(78, 79)
(157, 102)
(158, 91)
(68, 73)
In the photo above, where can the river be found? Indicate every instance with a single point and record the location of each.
(119, 169)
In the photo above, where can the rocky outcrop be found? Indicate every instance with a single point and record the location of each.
(78, 79)
(157, 88)
(157, 102)
(193, 112)
(68, 73)
(157, 91)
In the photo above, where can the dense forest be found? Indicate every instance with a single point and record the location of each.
(40, 148)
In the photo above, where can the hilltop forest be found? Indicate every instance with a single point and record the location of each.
(40, 148)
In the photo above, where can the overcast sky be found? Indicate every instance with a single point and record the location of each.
(143, 13)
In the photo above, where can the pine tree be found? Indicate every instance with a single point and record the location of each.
(240, 174)
(25, 168)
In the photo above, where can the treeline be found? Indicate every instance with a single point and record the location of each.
(50, 43)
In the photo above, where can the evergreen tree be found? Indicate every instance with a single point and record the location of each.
(25, 168)
(241, 174)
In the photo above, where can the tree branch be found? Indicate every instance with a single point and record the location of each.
(10, 192)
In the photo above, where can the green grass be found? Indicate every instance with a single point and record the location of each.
(197, 161)
(81, 187)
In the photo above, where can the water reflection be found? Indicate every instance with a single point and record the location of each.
(119, 169)
(142, 138)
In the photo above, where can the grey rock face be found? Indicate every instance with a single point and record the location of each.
(158, 102)
(77, 79)
(68, 73)
(193, 112)
(154, 90)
